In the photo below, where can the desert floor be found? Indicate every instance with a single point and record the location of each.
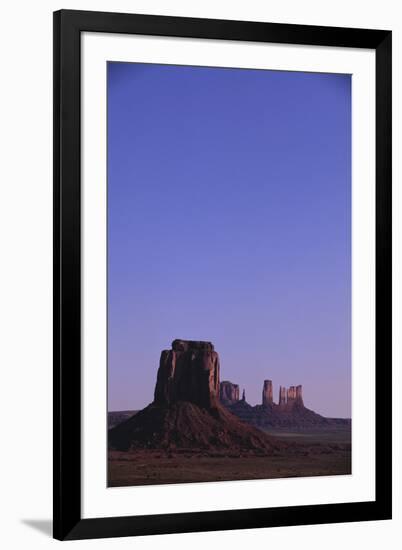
(317, 454)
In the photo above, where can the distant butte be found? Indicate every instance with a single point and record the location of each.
(229, 393)
(289, 413)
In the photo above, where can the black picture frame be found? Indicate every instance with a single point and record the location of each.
(68, 522)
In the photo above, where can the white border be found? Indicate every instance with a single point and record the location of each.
(97, 500)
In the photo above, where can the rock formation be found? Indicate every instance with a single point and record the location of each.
(267, 395)
(229, 393)
(294, 398)
(188, 372)
(289, 413)
(185, 345)
(186, 412)
(299, 395)
(291, 395)
(193, 410)
(282, 396)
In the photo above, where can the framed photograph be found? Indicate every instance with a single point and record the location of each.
(222, 274)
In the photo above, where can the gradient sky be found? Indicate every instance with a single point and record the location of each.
(229, 220)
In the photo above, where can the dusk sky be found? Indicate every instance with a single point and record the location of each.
(229, 220)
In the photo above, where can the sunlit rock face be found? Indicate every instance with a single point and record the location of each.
(282, 397)
(267, 395)
(229, 393)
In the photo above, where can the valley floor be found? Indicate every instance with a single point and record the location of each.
(313, 454)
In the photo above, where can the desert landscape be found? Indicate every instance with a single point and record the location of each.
(198, 429)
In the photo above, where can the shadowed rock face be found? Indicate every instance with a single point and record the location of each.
(299, 395)
(185, 345)
(188, 372)
(229, 393)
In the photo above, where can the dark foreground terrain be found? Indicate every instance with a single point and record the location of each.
(321, 453)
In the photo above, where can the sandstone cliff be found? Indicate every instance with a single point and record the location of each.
(188, 372)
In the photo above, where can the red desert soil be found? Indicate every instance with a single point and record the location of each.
(145, 467)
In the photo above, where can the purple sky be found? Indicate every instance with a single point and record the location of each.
(229, 220)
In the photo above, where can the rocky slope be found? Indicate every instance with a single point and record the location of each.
(117, 417)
